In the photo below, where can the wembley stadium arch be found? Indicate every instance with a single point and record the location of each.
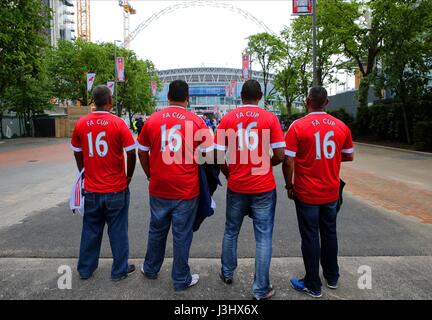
(212, 91)
(129, 37)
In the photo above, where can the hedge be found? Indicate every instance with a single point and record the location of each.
(423, 136)
(384, 121)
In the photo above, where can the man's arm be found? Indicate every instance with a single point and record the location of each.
(131, 162)
(348, 147)
(144, 158)
(278, 156)
(288, 172)
(79, 159)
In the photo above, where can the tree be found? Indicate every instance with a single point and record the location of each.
(23, 39)
(287, 83)
(69, 64)
(29, 97)
(136, 95)
(359, 26)
(267, 49)
(406, 59)
(328, 49)
(288, 80)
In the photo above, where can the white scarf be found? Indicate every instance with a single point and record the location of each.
(76, 202)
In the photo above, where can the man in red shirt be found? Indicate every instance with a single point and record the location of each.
(315, 147)
(248, 135)
(168, 145)
(99, 141)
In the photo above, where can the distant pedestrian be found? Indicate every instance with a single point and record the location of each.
(139, 124)
(134, 125)
(315, 147)
(99, 141)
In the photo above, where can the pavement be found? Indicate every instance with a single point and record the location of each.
(385, 224)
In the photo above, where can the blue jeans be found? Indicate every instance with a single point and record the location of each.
(315, 221)
(112, 209)
(181, 213)
(262, 210)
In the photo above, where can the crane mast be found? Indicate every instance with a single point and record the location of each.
(127, 11)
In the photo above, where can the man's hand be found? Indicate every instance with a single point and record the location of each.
(131, 161)
(288, 172)
(290, 192)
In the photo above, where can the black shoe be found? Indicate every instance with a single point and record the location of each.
(332, 285)
(225, 280)
(131, 269)
(85, 278)
(147, 275)
(270, 293)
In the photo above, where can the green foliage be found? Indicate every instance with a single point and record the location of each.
(22, 39)
(407, 52)
(343, 116)
(287, 83)
(287, 120)
(29, 97)
(288, 80)
(423, 136)
(23, 42)
(385, 120)
(267, 49)
(329, 51)
(69, 63)
(136, 95)
(359, 28)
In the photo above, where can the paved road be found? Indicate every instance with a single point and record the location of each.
(38, 232)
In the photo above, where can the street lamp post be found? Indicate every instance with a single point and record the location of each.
(115, 74)
(314, 43)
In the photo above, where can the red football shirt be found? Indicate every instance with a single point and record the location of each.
(248, 134)
(103, 138)
(173, 136)
(317, 142)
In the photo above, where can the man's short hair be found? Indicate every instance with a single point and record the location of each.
(178, 91)
(251, 90)
(101, 95)
(318, 96)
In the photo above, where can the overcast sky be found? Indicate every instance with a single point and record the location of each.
(189, 37)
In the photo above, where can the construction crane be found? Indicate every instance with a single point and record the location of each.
(83, 19)
(127, 11)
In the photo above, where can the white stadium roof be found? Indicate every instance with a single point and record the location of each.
(206, 75)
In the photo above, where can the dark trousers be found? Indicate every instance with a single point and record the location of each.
(112, 209)
(315, 222)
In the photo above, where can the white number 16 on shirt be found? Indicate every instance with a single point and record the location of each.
(172, 135)
(327, 143)
(101, 145)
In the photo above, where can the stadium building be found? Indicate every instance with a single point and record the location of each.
(212, 91)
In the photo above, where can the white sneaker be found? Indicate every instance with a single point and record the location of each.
(195, 279)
